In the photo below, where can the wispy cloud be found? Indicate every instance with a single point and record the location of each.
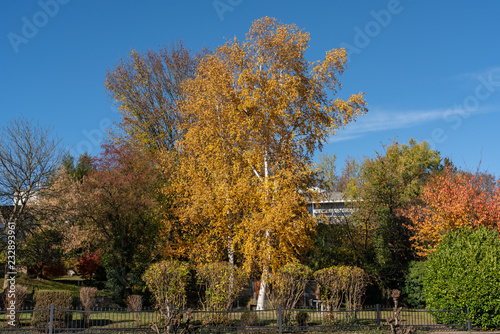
(378, 120)
(493, 71)
(342, 137)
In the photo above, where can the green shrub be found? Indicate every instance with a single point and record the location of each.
(464, 272)
(222, 283)
(61, 300)
(414, 285)
(302, 317)
(342, 285)
(167, 282)
(287, 284)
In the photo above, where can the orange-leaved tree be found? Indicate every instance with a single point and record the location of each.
(452, 200)
(213, 195)
(254, 115)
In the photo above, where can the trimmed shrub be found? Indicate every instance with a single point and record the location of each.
(414, 285)
(88, 298)
(464, 272)
(61, 300)
(342, 285)
(222, 283)
(287, 284)
(134, 304)
(167, 281)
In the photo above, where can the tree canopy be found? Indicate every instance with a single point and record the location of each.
(451, 200)
(30, 154)
(120, 199)
(147, 89)
(253, 115)
(382, 187)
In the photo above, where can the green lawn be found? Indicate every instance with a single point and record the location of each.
(47, 284)
(61, 283)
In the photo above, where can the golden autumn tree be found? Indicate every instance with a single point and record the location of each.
(452, 200)
(254, 114)
(213, 193)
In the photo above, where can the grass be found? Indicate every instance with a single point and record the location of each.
(61, 283)
(69, 278)
(47, 284)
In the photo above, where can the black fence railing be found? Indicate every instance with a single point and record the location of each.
(280, 320)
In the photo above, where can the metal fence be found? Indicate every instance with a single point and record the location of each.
(280, 320)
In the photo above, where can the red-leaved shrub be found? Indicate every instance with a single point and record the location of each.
(87, 265)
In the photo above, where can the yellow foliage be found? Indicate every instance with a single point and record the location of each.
(252, 117)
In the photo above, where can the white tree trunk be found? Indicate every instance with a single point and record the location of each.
(230, 249)
(261, 300)
(230, 254)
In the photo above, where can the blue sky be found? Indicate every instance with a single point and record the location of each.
(430, 70)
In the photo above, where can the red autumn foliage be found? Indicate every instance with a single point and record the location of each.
(453, 200)
(88, 264)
